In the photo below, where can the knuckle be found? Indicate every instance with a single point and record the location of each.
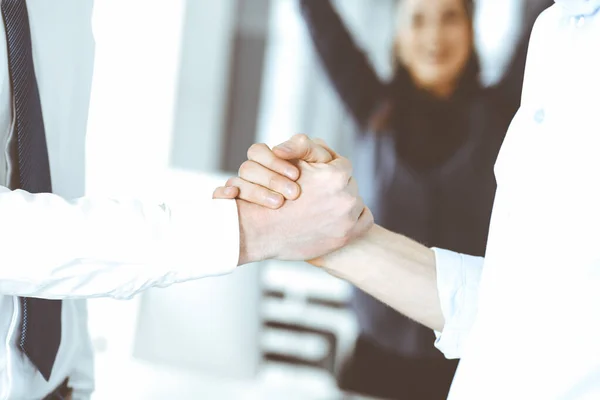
(254, 194)
(320, 142)
(348, 164)
(273, 182)
(346, 203)
(330, 179)
(346, 228)
(359, 204)
(339, 178)
(323, 178)
(343, 229)
(301, 138)
(352, 183)
(256, 150)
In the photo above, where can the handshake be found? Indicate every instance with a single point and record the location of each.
(297, 201)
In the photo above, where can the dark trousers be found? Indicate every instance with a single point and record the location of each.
(373, 371)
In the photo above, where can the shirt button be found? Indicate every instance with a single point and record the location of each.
(539, 116)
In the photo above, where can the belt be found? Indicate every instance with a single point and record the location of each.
(63, 392)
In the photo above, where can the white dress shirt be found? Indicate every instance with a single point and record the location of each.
(525, 320)
(80, 247)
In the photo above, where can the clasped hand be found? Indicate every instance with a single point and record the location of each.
(297, 201)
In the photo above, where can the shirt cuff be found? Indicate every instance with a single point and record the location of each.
(204, 233)
(205, 240)
(458, 278)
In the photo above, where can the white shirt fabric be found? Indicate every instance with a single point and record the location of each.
(525, 320)
(65, 246)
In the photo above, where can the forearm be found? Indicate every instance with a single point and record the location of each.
(91, 247)
(394, 269)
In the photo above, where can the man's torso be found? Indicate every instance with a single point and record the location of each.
(63, 52)
(535, 336)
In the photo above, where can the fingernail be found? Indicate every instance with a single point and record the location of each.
(290, 190)
(229, 191)
(273, 199)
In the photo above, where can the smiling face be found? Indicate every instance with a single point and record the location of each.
(434, 42)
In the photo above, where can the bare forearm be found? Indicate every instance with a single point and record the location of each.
(394, 269)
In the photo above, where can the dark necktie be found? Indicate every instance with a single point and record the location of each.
(41, 319)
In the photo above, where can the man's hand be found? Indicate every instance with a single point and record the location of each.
(389, 266)
(326, 214)
(268, 177)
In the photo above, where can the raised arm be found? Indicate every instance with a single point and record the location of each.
(347, 66)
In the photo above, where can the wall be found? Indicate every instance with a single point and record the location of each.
(200, 108)
(158, 101)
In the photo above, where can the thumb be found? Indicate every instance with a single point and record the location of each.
(301, 147)
(324, 145)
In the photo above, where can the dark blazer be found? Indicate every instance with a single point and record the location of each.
(429, 174)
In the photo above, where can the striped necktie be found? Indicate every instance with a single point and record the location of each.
(41, 319)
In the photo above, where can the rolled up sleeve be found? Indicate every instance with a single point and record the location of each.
(458, 278)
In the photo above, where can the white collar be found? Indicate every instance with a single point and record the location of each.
(579, 7)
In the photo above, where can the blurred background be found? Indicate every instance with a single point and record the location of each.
(197, 83)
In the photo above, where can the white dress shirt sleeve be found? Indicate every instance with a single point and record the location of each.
(96, 247)
(458, 278)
